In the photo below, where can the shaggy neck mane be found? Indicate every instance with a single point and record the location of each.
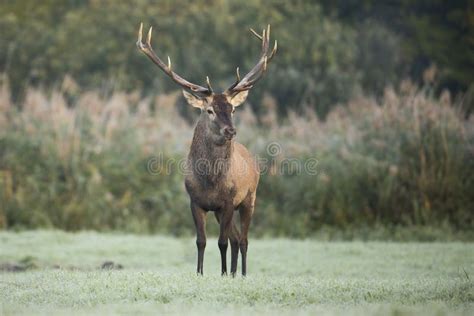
(209, 162)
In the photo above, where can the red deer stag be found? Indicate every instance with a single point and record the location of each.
(222, 175)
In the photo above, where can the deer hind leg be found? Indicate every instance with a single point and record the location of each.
(199, 216)
(234, 248)
(234, 237)
(246, 211)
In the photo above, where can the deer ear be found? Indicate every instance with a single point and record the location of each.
(238, 99)
(193, 100)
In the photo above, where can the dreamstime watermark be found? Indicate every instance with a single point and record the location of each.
(272, 163)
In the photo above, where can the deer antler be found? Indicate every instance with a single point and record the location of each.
(247, 82)
(148, 50)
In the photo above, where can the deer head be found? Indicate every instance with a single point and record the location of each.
(218, 108)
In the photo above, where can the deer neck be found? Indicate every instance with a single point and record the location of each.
(210, 158)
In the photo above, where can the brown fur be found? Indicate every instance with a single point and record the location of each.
(222, 177)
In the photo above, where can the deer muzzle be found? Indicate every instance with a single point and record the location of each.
(229, 132)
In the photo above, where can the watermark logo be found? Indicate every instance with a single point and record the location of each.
(274, 149)
(274, 163)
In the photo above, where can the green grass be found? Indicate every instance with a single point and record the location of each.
(285, 276)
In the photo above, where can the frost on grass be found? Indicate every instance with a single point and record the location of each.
(286, 277)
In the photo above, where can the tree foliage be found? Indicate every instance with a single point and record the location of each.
(433, 31)
(94, 42)
(328, 50)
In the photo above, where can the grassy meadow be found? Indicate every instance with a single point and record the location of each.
(64, 275)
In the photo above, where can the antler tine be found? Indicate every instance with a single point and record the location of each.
(148, 38)
(249, 80)
(148, 51)
(265, 40)
(208, 82)
(256, 34)
(237, 75)
(274, 50)
(140, 36)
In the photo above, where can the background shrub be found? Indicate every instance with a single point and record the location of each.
(405, 161)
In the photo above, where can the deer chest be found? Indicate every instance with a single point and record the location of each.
(210, 195)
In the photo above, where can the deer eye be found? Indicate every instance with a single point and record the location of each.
(209, 111)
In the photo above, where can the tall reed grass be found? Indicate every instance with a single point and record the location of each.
(83, 162)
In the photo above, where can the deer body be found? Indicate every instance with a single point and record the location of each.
(222, 175)
(237, 178)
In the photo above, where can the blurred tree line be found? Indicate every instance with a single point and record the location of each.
(328, 50)
(439, 32)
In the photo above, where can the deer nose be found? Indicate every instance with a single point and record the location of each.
(229, 132)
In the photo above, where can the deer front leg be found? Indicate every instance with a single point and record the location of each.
(199, 216)
(225, 226)
(234, 237)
